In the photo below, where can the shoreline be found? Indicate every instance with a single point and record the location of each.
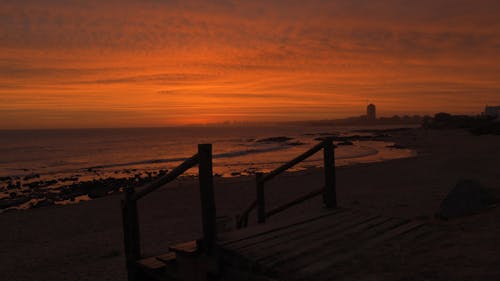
(35, 191)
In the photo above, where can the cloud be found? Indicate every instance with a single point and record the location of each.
(273, 58)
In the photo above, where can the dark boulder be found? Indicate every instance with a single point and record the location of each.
(295, 143)
(32, 176)
(397, 146)
(7, 202)
(5, 178)
(100, 189)
(275, 139)
(468, 197)
(43, 203)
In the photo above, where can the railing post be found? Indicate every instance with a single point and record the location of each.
(207, 197)
(131, 233)
(330, 194)
(261, 201)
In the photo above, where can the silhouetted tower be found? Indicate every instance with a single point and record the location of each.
(371, 112)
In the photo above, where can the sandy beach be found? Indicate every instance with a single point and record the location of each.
(84, 241)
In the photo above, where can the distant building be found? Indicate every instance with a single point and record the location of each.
(371, 112)
(493, 111)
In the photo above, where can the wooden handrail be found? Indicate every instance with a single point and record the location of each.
(177, 171)
(328, 147)
(293, 162)
(131, 233)
(243, 218)
(294, 202)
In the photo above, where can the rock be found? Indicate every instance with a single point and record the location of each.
(97, 193)
(321, 138)
(275, 139)
(5, 178)
(33, 185)
(32, 176)
(7, 203)
(295, 143)
(48, 183)
(468, 197)
(397, 146)
(37, 195)
(99, 190)
(43, 203)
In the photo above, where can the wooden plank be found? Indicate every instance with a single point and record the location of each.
(330, 248)
(308, 235)
(248, 233)
(287, 232)
(394, 233)
(412, 232)
(323, 263)
(151, 263)
(167, 258)
(324, 268)
(186, 247)
(157, 262)
(318, 239)
(310, 249)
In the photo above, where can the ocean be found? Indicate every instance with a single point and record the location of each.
(51, 159)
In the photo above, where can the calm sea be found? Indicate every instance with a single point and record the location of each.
(86, 154)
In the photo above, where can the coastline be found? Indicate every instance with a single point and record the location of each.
(86, 238)
(47, 189)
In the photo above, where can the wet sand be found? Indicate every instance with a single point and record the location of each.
(84, 241)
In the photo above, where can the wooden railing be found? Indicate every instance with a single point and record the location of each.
(328, 190)
(130, 212)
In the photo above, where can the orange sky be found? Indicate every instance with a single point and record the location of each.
(76, 63)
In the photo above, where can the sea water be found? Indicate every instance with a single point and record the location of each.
(86, 154)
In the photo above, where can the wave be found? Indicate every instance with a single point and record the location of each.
(142, 162)
(368, 151)
(224, 155)
(249, 151)
(364, 152)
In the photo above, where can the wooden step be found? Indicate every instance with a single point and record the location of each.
(157, 262)
(186, 248)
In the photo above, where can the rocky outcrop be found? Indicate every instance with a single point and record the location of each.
(468, 197)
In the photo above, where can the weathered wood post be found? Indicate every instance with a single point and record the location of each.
(208, 212)
(330, 194)
(131, 233)
(261, 200)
